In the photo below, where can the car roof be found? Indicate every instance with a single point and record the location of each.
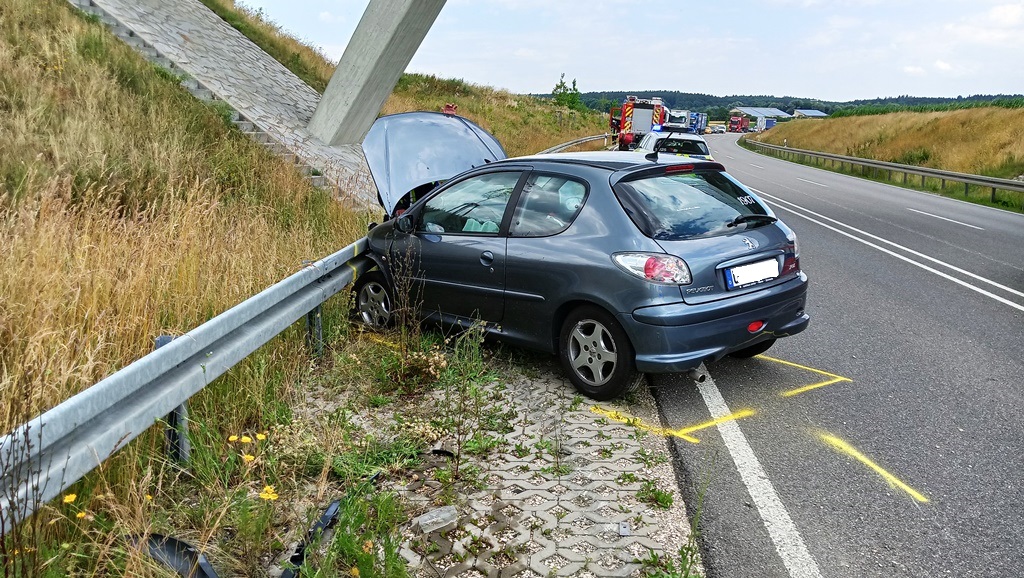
(613, 161)
(679, 135)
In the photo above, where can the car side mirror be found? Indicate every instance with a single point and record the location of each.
(404, 224)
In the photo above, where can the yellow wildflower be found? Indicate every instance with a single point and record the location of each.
(246, 440)
(233, 438)
(248, 458)
(367, 546)
(261, 436)
(149, 497)
(80, 515)
(354, 572)
(269, 493)
(70, 498)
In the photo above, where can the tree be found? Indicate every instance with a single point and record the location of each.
(567, 96)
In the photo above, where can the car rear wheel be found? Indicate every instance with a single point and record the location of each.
(596, 354)
(756, 349)
(374, 303)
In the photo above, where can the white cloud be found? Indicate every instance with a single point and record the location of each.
(942, 65)
(914, 70)
(330, 18)
(1007, 15)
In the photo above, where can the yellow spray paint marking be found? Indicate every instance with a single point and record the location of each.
(681, 433)
(731, 417)
(637, 423)
(833, 378)
(852, 452)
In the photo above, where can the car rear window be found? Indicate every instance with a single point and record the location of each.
(681, 146)
(688, 205)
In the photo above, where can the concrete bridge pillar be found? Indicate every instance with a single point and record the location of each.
(382, 45)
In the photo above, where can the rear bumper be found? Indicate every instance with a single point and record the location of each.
(679, 337)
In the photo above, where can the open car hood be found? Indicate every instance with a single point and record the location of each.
(407, 150)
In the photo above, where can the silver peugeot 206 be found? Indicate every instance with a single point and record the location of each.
(620, 263)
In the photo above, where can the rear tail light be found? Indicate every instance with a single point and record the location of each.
(655, 267)
(791, 263)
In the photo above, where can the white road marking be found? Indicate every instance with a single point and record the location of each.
(901, 257)
(788, 542)
(945, 219)
(756, 166)
(729, 157)
(812, 182)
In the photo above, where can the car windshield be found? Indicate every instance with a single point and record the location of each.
(683, 147)
(689, 205)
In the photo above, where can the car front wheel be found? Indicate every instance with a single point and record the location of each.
(596, 354)
(374, 304)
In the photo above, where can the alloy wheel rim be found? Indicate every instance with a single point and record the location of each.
(592, 352)
(374, 305)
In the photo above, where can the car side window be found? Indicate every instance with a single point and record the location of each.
(473, 206)
(547, 206)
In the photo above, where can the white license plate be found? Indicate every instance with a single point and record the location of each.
(752, 274)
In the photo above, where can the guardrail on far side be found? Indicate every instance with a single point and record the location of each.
(572, 143)
(966, 180)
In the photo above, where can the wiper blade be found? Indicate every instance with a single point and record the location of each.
(746, 218)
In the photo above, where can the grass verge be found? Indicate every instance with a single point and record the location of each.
(997, 198)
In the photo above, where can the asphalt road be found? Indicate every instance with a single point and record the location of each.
(909, 461)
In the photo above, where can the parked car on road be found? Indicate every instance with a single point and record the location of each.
(620, 263)
(676, 143)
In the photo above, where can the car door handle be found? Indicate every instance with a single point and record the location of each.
(486, 258)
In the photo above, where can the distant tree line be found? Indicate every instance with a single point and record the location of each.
(718, 107)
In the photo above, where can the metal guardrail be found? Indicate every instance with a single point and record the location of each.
(49, 453)
(925, 173)
(572, 143)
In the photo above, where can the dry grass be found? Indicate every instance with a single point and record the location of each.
(522, 124)
(128, 208)
(986, 141)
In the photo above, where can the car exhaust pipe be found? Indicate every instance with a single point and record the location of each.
(696, 376)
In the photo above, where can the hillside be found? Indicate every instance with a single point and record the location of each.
(983, 141)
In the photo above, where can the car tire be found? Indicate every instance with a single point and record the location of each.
(374, 301)
(756, 349)
(596, 354)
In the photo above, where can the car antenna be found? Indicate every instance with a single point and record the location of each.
(653, 157)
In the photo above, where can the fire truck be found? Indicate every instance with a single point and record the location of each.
(738, 123)
(635, 118)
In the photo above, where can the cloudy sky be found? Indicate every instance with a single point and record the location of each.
(834, 50)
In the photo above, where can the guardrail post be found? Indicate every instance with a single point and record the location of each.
(178, 447)
(993, 194)
(315, 331)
